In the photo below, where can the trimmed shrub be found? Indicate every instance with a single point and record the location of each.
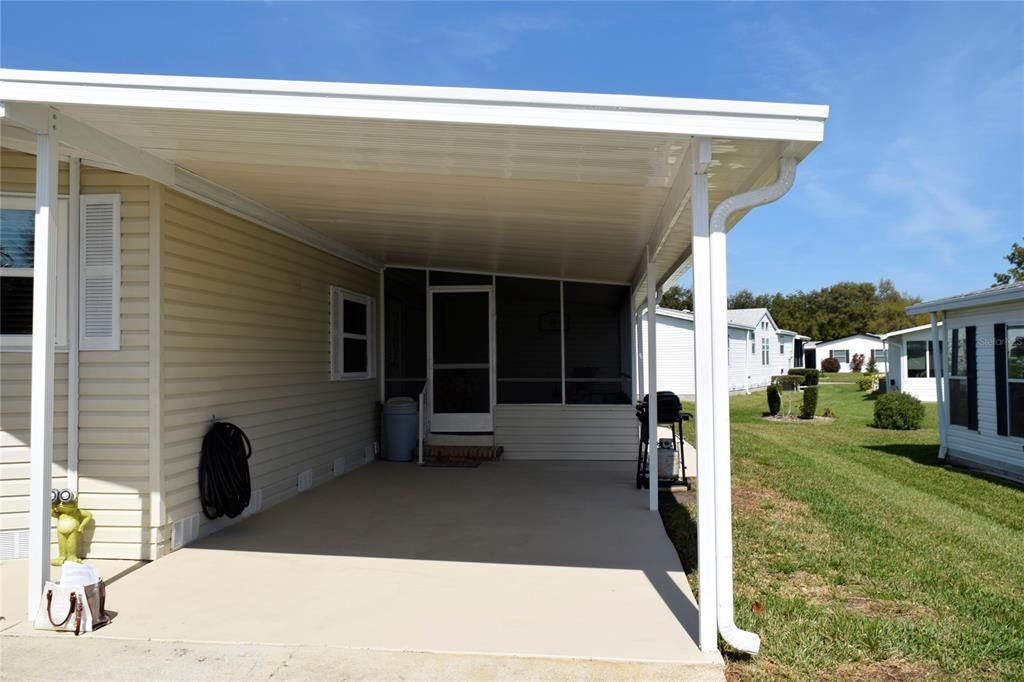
(809, 374)
(872, 368)
(786, 382)
(830, 365)
(900, 411)
(810, 405)
(867, 382)
(857, 362)
(774, 400)
(830, 413)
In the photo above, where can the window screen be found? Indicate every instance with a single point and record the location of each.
(597, 366)
(405, 337)
(958, 378)
(529, 339)
(1015, 378)
(919, 364)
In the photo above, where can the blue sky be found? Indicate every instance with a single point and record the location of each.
(920, 178)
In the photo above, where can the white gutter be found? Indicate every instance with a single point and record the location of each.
(739, 639)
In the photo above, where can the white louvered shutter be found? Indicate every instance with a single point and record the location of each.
(100, 272)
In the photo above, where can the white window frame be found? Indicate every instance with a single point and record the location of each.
(338, 296)
(832, 354)
(929, 370)
(1010, 380)
(23, 342)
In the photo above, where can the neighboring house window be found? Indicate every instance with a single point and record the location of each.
(17, 267)
(782, 349)
(919, 360)
(879, 355)
(765, 352)
(352, 334)
(1015, 378)
(840, 355)
(958, 378)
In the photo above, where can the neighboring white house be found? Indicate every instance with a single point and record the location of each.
(288, 255)
(843, 349)
(911, 370)
(758, 350)
(981, 382)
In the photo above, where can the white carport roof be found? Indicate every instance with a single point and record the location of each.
(534, 183)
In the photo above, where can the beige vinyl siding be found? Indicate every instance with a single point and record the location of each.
(581, 432)
(246, 337)
(113, 407)
(985, 448)
(113, 429)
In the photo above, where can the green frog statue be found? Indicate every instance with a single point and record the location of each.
(71, 521)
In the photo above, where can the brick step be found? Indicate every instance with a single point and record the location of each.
(443, 454)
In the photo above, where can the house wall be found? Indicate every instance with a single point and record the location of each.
(740, 359)
(114, 391)
(922, 388)
(575, 432)
(246, 337)
(985, 448)
(855, 344)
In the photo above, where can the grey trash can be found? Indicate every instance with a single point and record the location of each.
(401, 429)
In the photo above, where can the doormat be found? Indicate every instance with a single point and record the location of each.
(452, 465)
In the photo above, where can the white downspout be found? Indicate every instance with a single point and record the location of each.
(940, 396)
(74, 199)
(731, 633)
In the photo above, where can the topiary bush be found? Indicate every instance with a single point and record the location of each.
(857, 362)
(810, 405)
(774, 400)
(830, 365)
(900, 411)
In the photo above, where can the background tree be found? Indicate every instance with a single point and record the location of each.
(677, 298)
(1016, 271)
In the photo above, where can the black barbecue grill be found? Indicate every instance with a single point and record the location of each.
(670, 413)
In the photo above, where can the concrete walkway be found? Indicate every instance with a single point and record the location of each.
(522, 559)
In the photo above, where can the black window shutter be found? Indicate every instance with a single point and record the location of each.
(972, 379)
(1000, 349)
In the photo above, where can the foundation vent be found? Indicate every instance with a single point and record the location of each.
(305, 480)
(184, 532)
(339, 466)
(255, 503)
(13, 544)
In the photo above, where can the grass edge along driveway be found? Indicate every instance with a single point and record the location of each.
(858, 556)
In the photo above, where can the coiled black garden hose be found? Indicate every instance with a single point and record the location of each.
(224, 484)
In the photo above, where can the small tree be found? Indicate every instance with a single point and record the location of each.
(857, 362)
(1016, 272)
(830, 365)
(872, 368)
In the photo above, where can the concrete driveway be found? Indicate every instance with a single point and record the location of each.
(530, 559)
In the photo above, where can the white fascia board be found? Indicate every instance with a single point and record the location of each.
(970, 301)
(121, 156)
(626, 113)
(908, 330)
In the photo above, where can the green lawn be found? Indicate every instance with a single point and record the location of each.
(866, 558)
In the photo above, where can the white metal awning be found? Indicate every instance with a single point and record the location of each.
(533, 183)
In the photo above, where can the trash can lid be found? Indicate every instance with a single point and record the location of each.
(399, 402)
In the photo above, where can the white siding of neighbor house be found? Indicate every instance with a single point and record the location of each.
(922, 388)
(114, 409)
(853, 344)
(739, 359)
(246, 337)
(577, 432)
(985, 448)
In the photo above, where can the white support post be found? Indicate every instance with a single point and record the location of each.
(704, 387)
(634, 349)
(638, 321)
(74, 198)
(940, 394)
(44, 324)
(652, 386)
